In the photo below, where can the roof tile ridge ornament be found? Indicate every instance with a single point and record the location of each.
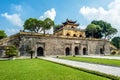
(70, 22)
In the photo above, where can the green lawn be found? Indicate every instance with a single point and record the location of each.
(36, 69)
(95, 60)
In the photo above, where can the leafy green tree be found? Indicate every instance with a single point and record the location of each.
(93, 30)
(30, 51)
(2, 34)
(111, 32)
(32, 24)
(11, 51)
(107, 29)
(48, 23)
(116, 42)
(56, 27)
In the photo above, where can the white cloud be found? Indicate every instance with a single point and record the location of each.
(18, 8)
(49, 14)
(12, 31)
(81, 26)
(50, 31)
(13, 18)
(111, 15)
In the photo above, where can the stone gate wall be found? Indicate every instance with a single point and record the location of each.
(58, 45)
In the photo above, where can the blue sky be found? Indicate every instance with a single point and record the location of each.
(13, 13)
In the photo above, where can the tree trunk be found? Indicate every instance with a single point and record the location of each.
(31, 55)
(44, 31)
(92, 35)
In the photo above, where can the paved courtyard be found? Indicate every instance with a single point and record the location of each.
(96, 67)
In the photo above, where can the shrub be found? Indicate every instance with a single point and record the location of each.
(73, 55)
(11, 51)
(113, 53)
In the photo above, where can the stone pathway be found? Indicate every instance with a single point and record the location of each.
(3, 58)
(105, 57)
(96, 67)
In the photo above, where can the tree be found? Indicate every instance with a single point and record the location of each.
(32, 24)
(30, 51)
(107, 29)
(93, 30)
(48, 23)
(116, 42)
(2, 34)
(11, 51)
(111, 32)
(90, 30)
(56, 27)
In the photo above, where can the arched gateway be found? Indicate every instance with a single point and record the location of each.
(67, 51)
(101, 51)
(84, 51)
(40, 51)
(76, 51)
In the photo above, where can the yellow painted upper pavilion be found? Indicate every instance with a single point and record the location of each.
(69, 28)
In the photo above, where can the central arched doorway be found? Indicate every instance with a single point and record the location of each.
(40, 51)
(67, 51)
(84, 51)
(76, 51)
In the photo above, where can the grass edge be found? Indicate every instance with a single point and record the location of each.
(89, 71)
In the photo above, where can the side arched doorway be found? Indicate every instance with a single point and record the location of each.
(76, 51)
(84, 51)
(67, 51)
(40, 51)
(101, 51)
